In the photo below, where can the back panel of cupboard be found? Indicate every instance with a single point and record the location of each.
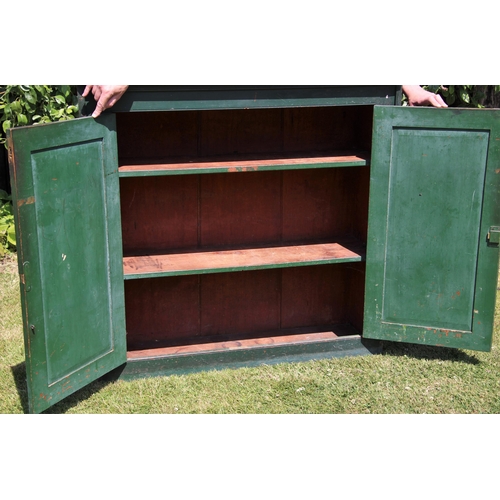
(164, 214)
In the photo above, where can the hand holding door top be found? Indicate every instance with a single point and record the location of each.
(417, 96)
(105, 96)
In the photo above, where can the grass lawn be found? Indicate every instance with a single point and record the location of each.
(403, 379)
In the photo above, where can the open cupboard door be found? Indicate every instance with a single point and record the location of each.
(432, 256)
(66, 198)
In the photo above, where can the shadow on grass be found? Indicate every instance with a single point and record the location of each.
(395, 349)
(428, 352)
(19, 374)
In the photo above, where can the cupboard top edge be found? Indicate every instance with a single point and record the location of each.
(201, 97)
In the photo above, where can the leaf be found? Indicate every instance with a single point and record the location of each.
(16, 106)
(6, 125)
(11, 235)
(56, 114)
(21, 118)
(4, 195)
(8, 211)
(464, 96)
(60, 99)
(30, 96)
(65, 89)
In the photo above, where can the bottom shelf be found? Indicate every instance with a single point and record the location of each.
(200, 309)
(181, 324)
(246, 353)
(213, 344)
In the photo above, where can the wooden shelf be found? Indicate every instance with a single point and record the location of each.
(145, 168)
(247, 259)
(293, 336)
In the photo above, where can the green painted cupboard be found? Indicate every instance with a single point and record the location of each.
(205, 227)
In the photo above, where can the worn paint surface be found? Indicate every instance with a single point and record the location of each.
(66, 192)
(65, 185)
(431, 275)
(188, 97)
(241, 259)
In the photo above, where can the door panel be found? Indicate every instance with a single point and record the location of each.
(65, 185)
(431, 274)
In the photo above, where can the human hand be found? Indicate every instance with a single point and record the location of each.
(105, 96)
(417, 96)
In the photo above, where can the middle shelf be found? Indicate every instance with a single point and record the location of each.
(246, 259)
(243, 163)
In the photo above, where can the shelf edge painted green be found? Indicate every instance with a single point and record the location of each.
(241, 260)
(152, 172)
(164, 274)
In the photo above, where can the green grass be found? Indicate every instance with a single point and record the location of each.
(403, 379)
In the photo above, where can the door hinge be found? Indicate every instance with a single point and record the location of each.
(494, 235)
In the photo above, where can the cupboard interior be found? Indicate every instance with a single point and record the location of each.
(172, 213)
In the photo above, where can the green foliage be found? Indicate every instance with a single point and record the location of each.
(33, 104)
(468, 96)
(7, 228)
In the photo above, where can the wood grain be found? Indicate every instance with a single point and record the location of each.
(240, 260)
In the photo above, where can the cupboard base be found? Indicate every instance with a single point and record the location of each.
(144, 365)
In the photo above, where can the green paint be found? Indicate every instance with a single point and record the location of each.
(197, 97)
(187, 170)
(434, 197)
(431, 266)
(352, 345)
(73, 293)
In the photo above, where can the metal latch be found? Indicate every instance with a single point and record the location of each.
(494, 235)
